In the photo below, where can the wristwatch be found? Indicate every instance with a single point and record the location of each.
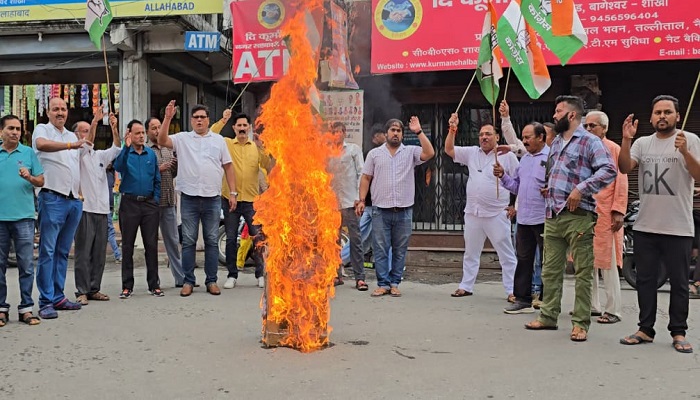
(234, 194)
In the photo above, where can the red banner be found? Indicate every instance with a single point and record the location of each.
(259, 53)
(437, 35)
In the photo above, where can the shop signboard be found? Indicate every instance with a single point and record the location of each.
(202, 41)
(436, 35)
(37, 10)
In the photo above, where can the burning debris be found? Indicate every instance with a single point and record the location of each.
(299, 210)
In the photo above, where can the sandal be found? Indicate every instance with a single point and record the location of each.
(538, 326)
(694, 290)
(29, 319)
(98, 296)
(3, 318)
(608, 318)
(394, 292)
(461, 293)
(378, 292)
(361, 286)
(578, 334)
(635, 339)
(682, 346)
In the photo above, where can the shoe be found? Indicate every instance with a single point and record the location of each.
(48, 312)
(230, 283)
(99, 296)
(186, 290)
(82, 299)
(156, 292)
(261, 282)
(212, 288)
(117, 260)
(182, 284)
(125, 294)
(67, 305)
(519, 308)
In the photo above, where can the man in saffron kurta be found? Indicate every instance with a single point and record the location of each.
(611, 205)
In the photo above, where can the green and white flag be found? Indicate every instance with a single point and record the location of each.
(519, 46)
(489, 64)
(538, 13)
(97, 19)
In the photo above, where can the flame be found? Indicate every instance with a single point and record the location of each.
(299, 210)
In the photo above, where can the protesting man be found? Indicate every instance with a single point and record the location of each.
(485, 212)
(527, 181)
(60, 207)
(140, 192)
(579, 166)
(20, 172)
(91, 235)
(663, 232)
(611, 206)
(202, 161)
(389, 172)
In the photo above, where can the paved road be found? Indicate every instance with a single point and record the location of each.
(425, 345)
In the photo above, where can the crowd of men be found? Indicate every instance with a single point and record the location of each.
(568, 182)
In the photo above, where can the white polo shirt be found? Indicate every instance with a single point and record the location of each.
(61, 168)
(93, 178)
(200, 163)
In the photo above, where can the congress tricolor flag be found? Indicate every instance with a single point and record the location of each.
(489, 64)
(97, 19)
(519, 45)
(558, 24)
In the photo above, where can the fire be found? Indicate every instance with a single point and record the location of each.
(299, 210)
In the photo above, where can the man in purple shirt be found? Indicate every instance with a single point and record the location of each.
(579, 166)
(527, 181)
(390, 171)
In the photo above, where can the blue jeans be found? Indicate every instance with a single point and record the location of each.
(365, 235)
(22, 234)
(392, 229)
(208, 210)
(112, 237)
(58, 221)
(232, 220)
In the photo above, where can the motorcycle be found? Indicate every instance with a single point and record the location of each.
(629, 271)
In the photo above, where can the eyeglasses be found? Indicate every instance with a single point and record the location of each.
(200, 117)
(590, 126)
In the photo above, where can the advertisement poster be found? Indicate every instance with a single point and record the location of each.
(437, 35)
(346, 106)
(339, 62)
(33, 10)
(259, 53)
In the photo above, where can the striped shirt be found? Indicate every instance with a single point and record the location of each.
(583, 163)
(167, 185)
(394, 182)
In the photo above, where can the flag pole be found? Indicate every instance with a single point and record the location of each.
(690, 104)
(109, 90)
(493, 114)
(505, 91)
(465, 92)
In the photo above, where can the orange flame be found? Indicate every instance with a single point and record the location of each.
(299, 210)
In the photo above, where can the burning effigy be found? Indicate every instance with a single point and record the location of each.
(299, 210)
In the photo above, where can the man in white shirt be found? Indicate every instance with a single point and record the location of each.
(347, 170)
(91, 235)
(60, 208)
(485, 213)
(203, 158)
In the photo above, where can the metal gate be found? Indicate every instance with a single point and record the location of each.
(441, 183)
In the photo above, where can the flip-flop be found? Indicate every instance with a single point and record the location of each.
(639, 340)
(540, 326)
(361, 285)
(608, 318)
(576, 332)
(461, 293)
(679, 344)
(378, 292)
